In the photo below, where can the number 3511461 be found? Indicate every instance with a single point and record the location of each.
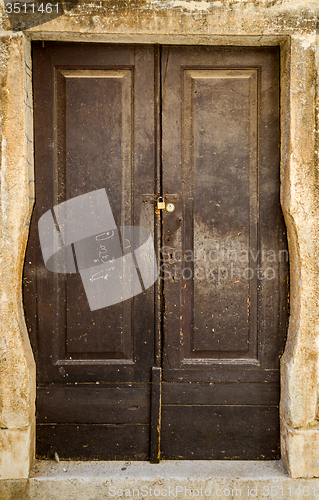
(27, 8)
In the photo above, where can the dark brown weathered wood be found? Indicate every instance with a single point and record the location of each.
(156, 402)
(220, 394)
(201, 122)
(93, 442)
(223, 324)
(95, 404)
(220, 432)
(94, 129)
(158, 304)
(155, 427)
(89, 107)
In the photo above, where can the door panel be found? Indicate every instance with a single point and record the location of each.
(225, 268)
(224, 208)
(94, 129)
(96, 107)
(92, 442)
(220, 432)
(212, 139)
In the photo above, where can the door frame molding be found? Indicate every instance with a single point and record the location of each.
(299, 129)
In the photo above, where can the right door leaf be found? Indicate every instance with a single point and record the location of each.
(225, 272)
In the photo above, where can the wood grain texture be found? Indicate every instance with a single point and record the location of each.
(201, 122)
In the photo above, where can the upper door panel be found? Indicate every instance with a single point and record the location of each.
(94, 130)
(225, 271)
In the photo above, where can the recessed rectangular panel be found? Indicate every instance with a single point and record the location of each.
(93, 442)
(233, 432)
(96, 108)
(221, 109)
(98, 114)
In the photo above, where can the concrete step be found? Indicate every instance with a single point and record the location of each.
(168, 480)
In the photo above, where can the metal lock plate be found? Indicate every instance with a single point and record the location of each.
(161, 203)
(170, 207)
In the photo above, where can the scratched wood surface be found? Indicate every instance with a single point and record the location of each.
(226, 271)
(221, 302)
(94, 129)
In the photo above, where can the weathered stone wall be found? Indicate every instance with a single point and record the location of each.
(291, 24)
(17, 369)
(300, 197)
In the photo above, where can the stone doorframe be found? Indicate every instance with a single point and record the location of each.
(290, 24)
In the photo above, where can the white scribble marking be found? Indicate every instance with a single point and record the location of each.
(101, 274)
(107, 261)
(105, 236)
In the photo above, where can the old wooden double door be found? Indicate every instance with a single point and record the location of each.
(188, 368)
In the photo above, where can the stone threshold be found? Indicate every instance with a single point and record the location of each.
(167, 480)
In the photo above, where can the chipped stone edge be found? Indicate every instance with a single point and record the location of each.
(17, 368)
